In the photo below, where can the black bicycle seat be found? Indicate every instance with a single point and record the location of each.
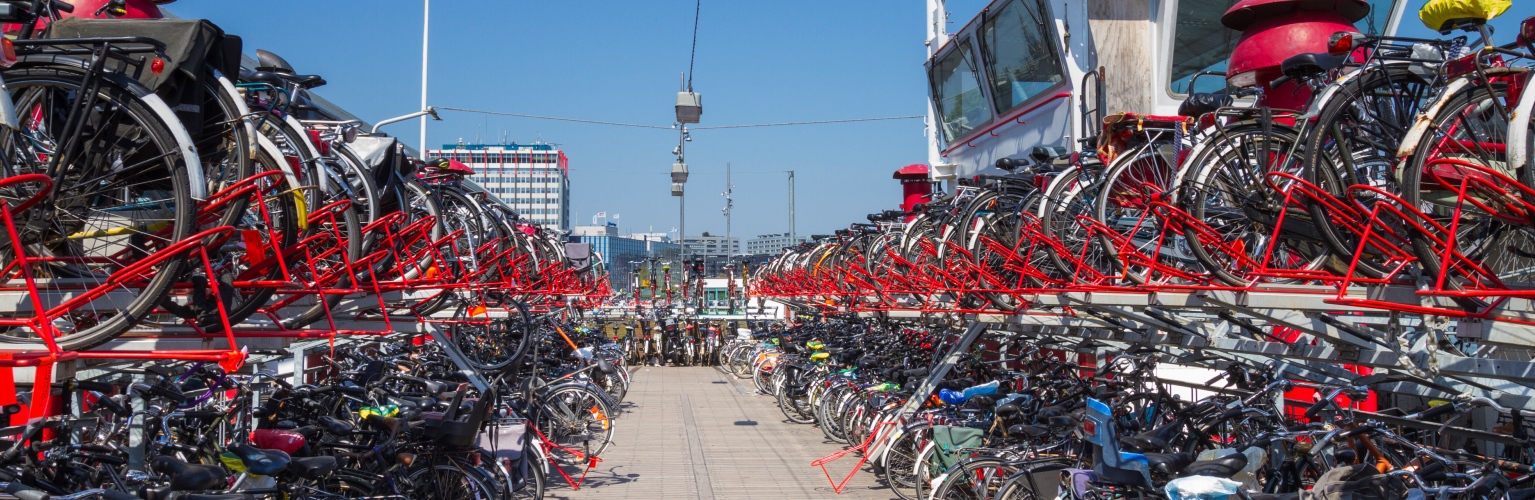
(317, 467)
(1225, 466)
(267, 61)
(266, 77)
(1202, 104)
(259, 461)
(188, 477)
(337, 427)
(304, 81)
(1168, 464)
(216, 496)
(1308, 65)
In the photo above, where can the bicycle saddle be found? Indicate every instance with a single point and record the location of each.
(319, 467)
(1202, 104)
(336, 427)
(1167, 464)
(304, 81)
(1157, 438)
(1311, 64)
(185, 476)
(1225, 466)
(259, 461)
(267, 61)
(216, 496)
(266, 77)
(285, 441)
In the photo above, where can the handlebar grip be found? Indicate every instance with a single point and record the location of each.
(112, 406)
(1316, 409)
(93, 386)
(62, 7)
(1437, 411)
(117, 495)
(1434, 471)
(24, 492)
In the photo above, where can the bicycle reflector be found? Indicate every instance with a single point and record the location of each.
(1089, 426)
(319, 144)
(7, 53)
(1340, 43)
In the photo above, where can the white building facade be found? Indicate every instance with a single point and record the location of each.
(534, 179)
(712, 246)
(770, 244)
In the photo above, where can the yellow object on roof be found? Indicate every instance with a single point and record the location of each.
(1437, 13)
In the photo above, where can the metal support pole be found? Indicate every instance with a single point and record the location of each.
(426, 24)
(792, 241)
(942, 370)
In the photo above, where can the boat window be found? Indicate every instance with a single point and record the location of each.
(1380, 14)
(961, 106)
(1019, 48)
(1201, 43)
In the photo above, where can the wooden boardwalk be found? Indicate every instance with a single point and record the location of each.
(697, 433)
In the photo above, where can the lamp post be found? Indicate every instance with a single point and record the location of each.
(426, 24)
(689, 109)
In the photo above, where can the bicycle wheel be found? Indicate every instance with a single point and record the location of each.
(1067, 202)
(794, 403)
(1354, 141)
(1464, 148)
(1228, 193)
(1135, 230)
(901, 461)
(121, 193)
(491, 334)
(447, 480)
(576, 419)
(978, 479)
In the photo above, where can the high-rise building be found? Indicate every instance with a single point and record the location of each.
(534, 179)
(770, 244)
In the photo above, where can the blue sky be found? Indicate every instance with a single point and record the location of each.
(757, 62)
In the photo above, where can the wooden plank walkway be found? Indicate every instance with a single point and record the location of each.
(697, 433)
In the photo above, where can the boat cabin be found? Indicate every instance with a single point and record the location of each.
(1023, 74)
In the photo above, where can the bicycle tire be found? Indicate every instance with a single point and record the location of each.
(119, 107)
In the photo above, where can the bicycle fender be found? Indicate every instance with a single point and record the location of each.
(183, 142)
(1332, 88)
(1051, 188)
(8, 117)
(1421, 123)
(1519, 130)
(229, 89)
(299, 202)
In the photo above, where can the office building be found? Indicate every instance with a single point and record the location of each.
(534, 179)
(771, 244)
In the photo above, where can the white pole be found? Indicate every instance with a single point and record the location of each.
(937, 34)
(426, 24)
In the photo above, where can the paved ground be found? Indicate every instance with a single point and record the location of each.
(696, 433)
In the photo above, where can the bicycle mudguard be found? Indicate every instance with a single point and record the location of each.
(301, 204)
(1519, 130)
(8, 117)
(1420, 125)
(228, 87)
